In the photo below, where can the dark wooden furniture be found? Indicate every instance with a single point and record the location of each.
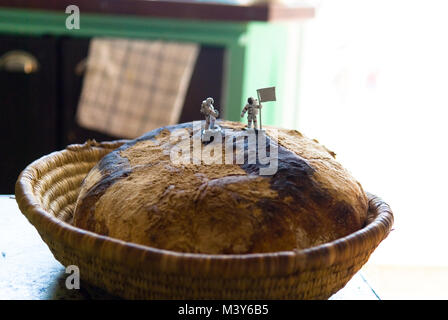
(29, 106)
(39, 108)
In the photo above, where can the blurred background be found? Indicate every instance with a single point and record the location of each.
(367, 78)
(374, 90)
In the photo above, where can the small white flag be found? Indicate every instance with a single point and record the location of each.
(266, 94)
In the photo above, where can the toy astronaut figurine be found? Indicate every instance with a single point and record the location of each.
(210, 113)
(252, 112)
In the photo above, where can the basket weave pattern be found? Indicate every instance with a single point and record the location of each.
(47, 190)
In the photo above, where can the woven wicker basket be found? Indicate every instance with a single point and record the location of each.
(46, 192)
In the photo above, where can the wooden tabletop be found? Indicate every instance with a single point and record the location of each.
(180, 9)
(28, 270)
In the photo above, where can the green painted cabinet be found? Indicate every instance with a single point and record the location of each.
(257, 54)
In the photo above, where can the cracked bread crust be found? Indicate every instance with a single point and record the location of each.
(137, 194)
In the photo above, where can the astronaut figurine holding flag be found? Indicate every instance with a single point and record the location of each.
(264, 95)
(252, 112)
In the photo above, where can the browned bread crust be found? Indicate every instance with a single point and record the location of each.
(137, 194)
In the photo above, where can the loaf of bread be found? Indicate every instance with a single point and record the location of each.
(137, 193)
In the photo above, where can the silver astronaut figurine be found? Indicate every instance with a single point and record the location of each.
(252, 112)
(210, 113)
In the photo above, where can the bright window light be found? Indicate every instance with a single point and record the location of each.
(374, 88)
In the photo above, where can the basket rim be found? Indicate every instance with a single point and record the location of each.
(140, 256)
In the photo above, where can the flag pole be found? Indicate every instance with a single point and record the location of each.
(259, 103)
